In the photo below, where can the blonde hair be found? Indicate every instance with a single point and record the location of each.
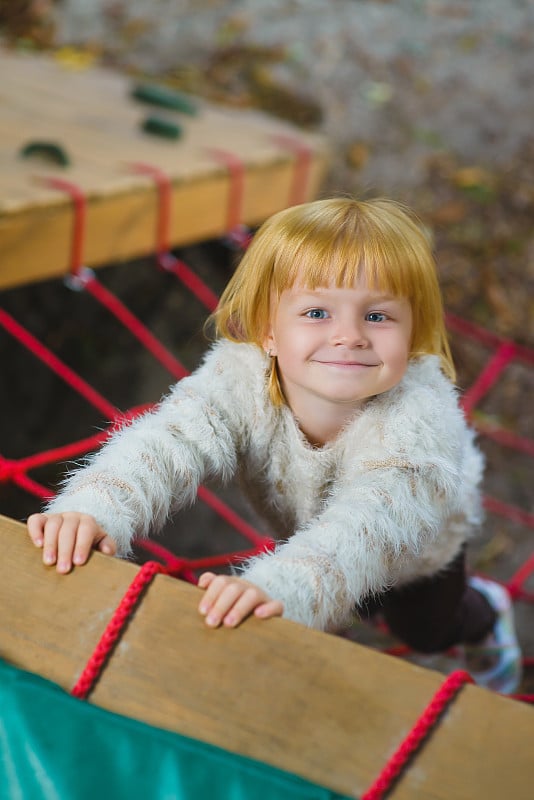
(333, 242)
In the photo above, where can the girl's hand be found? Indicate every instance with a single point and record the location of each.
(229, 600)
(68, 538)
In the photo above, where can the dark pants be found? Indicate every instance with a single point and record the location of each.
(433, 614)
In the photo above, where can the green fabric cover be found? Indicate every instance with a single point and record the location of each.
(54, 747)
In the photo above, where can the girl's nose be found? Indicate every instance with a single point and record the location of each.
(350, 334)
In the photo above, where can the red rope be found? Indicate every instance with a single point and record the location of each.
(135, 326)
(114, 629)
(169, 263)
(504, 437)
(232, 518)
(23, 481)
(303, 160)
(77, 196)
(164, 190)
(514, 514)
(415, 738)
(237, 234)
(488, 338)
(165, 259)
(13, 470)
(56, 365)
(515, 584)
(489, 375)
(236, 172)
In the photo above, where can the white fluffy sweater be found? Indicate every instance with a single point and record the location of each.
(391, 499)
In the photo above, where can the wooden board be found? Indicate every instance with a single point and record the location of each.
(93, 118)
(313, 704)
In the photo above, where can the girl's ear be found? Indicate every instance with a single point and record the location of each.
(268, 342)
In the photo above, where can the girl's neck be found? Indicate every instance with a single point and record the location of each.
(323, 423)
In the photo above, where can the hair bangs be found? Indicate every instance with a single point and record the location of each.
(342, 260)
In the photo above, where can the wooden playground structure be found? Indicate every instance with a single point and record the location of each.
(85, 128)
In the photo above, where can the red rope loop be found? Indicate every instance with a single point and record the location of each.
(164, 188)
(303, 161)
(236, 173)
(165, 259)
(114, 629)
(79, 202)
(413, 741)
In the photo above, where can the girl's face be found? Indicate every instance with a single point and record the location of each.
(338, 345)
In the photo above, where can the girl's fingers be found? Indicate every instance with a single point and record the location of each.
(68, 538)
(205, 579)
(214, 585)
(229, 600)
(67, 541)
(52, 526)
(243, 607)
(88, 534)
(220, 597)
(107, 546)
(36, 523)
(274, 608)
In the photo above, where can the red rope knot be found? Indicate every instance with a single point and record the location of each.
(239, 237)
(80, 279)
(167, 261)
(8, 470)
(174, 565)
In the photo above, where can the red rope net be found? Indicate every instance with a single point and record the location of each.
(502, 353)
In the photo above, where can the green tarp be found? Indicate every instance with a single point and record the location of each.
(54, 747)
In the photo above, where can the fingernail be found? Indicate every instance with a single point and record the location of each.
(202, 608)
(230, 620)
(63, 566)
(49, 558)
(211, 619)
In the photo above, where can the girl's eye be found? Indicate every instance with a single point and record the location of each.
(375, 316)
(317, 313)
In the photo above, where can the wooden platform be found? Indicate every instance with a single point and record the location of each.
(313, 704)
(92, 116)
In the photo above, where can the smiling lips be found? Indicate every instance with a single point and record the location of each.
(345, 363)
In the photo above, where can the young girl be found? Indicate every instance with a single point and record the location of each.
(329, 395)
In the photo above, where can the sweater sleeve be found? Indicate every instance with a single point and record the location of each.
(383, 512)
(351, 549)
(155, 464)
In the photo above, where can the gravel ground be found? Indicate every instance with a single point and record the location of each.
(426, 101)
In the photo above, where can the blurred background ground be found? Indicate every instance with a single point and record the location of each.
(427, 101)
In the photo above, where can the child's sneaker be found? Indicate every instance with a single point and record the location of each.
(495, 663)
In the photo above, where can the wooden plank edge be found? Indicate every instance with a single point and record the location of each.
(36, 244)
